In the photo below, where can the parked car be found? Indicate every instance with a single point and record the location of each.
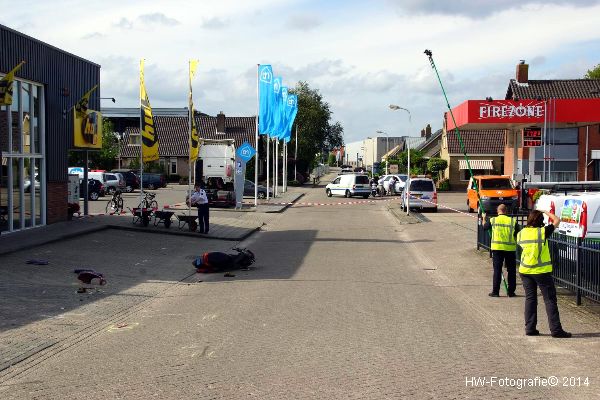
(346, 169)
(349, 185)
(27, 183)
(493, 191)
(132, 181)
(262, 191)
(398, 187)
(419, 193)
(114, 181)
(579, 212)
(95, 189)
(154, 181)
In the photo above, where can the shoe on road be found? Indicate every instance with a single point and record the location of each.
(533, 333)
(493, 294)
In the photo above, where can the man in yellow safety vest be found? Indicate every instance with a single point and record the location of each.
(535, 268)
(504, 244)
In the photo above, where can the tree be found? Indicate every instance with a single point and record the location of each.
(417, 163)
(316, 135)
(436, 165)
(331, 161)
(593, 73)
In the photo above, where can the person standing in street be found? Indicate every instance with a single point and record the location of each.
(504, 246)
(535, 268)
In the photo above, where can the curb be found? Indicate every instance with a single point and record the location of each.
(285, 205)
(183, 233)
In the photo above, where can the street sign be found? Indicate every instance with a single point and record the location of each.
(245, 152)
(532, 137)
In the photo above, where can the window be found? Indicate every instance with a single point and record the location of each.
(336, 182)
(496, 184)
(362, 180)
(134, 139)
(421, 186)
(173, 166)
(22, 171)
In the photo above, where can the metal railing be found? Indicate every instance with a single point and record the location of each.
(575, 261)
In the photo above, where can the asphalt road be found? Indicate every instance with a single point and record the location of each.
(344, 302)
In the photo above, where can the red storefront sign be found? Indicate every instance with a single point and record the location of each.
(506, 114)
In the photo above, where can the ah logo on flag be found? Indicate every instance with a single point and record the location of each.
(246, 152)
(266, 74)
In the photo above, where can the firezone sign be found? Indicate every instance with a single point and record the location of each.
(532, 137)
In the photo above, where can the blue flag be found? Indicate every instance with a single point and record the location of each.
(276, 115)
(281, 110)
(291, 112)
(265, 95)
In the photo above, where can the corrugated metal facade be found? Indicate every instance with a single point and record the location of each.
(65, 78)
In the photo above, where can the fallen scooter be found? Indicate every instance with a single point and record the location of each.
(216, 261)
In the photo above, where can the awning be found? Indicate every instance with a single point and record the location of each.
(476, 164)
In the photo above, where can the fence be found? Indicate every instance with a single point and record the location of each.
(575, 262)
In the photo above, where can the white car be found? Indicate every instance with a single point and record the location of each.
(581, 218)
(400, 182)
(420, 193)
(349, 185)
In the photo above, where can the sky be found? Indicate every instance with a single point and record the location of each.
(361, 55)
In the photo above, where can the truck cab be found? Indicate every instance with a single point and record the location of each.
(493, 191)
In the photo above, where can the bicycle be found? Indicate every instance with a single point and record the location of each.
(148, 201)
(115, 205)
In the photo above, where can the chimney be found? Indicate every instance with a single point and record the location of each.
(422, 132)
(427, 131)
(220, 122)
(522, 72)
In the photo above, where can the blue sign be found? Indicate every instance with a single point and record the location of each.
(245, 152)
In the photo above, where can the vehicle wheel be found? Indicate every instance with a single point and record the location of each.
(328, 192)
(469, 209)
(154, 205)
(94, 196)
(129, 189)
(262, 195)
(119, 206)
(193, 226)
(347, 194)
(109, 207)
(151, 186)
(167, 223)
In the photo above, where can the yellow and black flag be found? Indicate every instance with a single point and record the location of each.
(6, 86)
(81, 108)
(194, 146)
(149, 136)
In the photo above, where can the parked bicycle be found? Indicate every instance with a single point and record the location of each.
(115, 204)
(148, 201)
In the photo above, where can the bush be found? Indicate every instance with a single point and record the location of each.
(183, 180)
(443, 185)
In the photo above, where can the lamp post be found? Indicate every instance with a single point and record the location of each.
(387, 149)
(394, 107)
(373, 152)
(109, 98)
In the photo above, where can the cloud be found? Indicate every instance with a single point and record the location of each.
(158, 18)
(478, 8)
(303, 22)
(214, 23)
(124, 23)
(93, 35)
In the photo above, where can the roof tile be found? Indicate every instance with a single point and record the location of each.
(477, 142)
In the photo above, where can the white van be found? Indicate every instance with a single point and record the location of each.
(420, 193)
(579, 212)
(349, 185)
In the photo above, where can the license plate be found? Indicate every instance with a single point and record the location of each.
(418, 196)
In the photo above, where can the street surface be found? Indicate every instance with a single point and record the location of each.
(344, 302)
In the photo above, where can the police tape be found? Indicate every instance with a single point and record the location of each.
(446, 207)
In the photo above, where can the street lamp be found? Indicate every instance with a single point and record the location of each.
(373, 160)
(394, 107)
(109, 98)
(387, 149)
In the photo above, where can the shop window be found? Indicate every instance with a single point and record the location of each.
(134, 139)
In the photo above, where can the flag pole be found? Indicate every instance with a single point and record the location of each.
(256, 141)
(190, 116)
(276, 166)
(268, 169)
(285, 166)
(141, 141)
(296, 155)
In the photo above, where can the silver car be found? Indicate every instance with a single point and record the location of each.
(114, 181)
(420, 193)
